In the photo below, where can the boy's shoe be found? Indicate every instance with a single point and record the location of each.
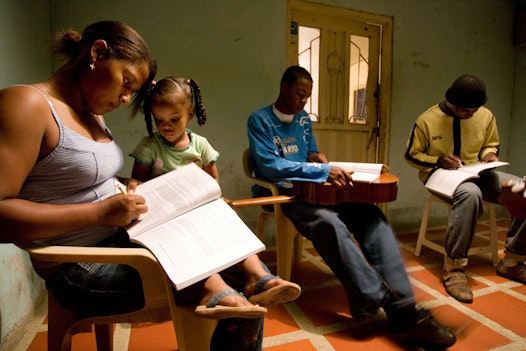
(456, 285)
(425, 333)
(516, 273)
(369, 326)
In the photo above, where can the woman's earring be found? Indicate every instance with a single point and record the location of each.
(92, 66)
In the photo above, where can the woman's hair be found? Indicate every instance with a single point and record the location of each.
(171, 90)
(124, 43)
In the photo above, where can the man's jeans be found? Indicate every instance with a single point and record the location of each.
(369, 266)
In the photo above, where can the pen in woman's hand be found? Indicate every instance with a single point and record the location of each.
(122, 188)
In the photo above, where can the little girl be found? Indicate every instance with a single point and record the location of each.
(172, 102)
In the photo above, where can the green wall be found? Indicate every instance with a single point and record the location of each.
(235, 49)
(24, 28)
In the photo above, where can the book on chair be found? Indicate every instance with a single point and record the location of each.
(446, 181)
(190, 229)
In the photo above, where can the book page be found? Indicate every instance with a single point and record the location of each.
(446, 181)
(476, 168)
(172, 194)
(363, 172)
(200, 243)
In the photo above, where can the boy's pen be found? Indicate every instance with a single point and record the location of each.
(459, 161)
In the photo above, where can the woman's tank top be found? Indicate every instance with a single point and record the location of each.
(78, 170)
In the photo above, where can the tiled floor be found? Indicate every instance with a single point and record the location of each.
(319, 319)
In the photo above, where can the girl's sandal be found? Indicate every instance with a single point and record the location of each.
(285, 292)
(213, 310)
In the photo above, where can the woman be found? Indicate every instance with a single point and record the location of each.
(59, 161)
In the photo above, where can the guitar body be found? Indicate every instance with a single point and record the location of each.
(384, 189)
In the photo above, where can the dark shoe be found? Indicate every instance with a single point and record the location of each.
(425, 333)
(368, 326)
(456, 285)
(516, 273)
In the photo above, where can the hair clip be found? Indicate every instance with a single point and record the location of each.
(152, 85)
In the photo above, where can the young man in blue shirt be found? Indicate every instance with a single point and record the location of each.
(283, 149)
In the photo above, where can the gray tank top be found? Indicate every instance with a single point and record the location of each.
(78, 170)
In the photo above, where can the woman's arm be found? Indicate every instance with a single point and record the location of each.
(28, 133)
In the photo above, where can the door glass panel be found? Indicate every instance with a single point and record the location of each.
(343, 51)
(309, 58)
(358, 74)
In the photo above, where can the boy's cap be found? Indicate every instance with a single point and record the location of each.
(467, 91)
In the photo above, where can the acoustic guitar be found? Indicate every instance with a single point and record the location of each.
(384, 189)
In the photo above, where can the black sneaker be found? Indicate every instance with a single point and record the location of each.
(426, 333)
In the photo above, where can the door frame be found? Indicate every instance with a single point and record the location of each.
(386, 56)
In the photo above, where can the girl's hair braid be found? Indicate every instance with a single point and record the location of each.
(147, 108)
(170, 90)
(199, 109)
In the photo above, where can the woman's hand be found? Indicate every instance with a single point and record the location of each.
(120, 210)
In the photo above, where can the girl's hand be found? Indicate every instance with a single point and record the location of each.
(120, 210)
(132, 185)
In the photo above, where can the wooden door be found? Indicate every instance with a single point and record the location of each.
(343, 50)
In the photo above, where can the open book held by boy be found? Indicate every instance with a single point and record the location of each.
(446, 181)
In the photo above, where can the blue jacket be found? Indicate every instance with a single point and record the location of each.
(279, 150)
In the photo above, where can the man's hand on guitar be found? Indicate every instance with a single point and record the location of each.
(339, 177)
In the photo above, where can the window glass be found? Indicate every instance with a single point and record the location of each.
(309, 58)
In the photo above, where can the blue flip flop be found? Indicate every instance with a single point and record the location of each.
(285, 292)
(213, 310)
